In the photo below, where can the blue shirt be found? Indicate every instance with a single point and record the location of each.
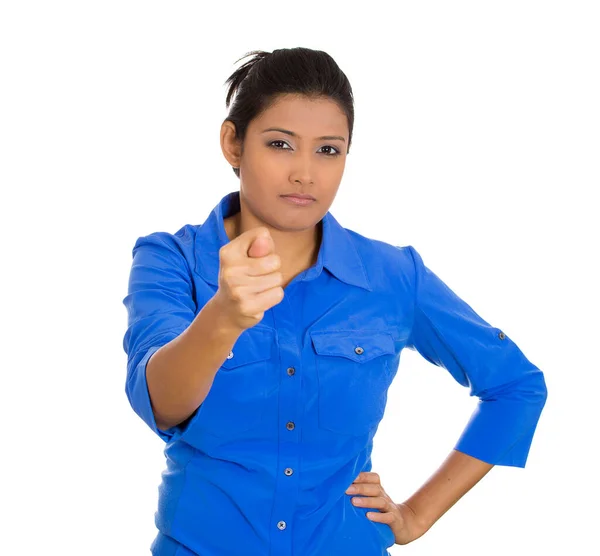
(263, 464)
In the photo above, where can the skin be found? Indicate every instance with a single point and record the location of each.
(273, 164)
(412, 518)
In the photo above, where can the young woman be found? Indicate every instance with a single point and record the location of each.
(262, 343)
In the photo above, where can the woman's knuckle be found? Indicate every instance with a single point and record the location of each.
(237, 295)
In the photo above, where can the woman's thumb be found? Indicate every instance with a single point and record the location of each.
(262, 244)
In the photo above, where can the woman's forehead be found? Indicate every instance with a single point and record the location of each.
(305, 117)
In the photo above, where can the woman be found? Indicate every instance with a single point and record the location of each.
(262, 343)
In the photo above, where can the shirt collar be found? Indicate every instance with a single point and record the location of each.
(337, 253)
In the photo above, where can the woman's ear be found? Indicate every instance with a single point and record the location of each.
(230, 145)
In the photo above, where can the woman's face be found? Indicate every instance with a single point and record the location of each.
(276, 163)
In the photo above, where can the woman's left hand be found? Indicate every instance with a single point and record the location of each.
(401, 519)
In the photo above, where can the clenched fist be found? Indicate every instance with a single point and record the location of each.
(249, 279)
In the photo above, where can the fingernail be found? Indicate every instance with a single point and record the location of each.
(351, 489)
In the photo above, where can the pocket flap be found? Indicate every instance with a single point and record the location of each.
(357, 345)
(254, 344)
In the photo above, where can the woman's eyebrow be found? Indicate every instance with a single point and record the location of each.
(286, 131)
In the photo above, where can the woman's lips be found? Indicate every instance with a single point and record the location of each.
(299, 201)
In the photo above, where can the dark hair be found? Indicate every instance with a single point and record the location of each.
(258, 81)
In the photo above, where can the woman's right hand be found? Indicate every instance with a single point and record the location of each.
(250, 282)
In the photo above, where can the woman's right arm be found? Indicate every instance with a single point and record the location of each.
(173, 354)
(173, 351)
(180, 374)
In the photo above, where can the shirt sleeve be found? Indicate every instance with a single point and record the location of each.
(160, 307)
(512, 391)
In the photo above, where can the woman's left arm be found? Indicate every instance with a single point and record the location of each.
(512, 392)
(511, 389)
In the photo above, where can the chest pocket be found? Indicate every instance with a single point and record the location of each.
(236, 401)
(353, 370)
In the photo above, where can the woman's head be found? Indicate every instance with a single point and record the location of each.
(305, 93)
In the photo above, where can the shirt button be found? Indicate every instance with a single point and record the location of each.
(291, 371)
(281, 525)
(230, 355)
(288, 471)
(502, 335)
(290, 426)
(359, 350)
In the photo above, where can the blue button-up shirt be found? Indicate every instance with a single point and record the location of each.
(262, 466)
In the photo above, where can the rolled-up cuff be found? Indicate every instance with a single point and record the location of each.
(500, 431)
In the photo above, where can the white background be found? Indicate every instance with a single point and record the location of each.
(476, 141)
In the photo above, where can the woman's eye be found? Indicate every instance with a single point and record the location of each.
(282, 142)
(331, 147)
